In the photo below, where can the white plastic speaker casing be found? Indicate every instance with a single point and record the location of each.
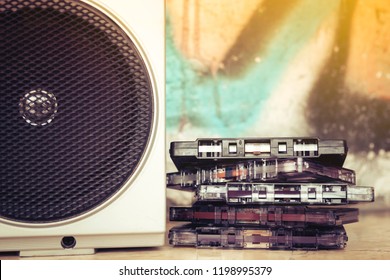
(136, 216)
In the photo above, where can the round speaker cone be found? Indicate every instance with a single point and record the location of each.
(76, 109)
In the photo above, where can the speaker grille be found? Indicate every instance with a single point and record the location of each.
(76, 109)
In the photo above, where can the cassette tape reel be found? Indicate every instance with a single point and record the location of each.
(82, 125)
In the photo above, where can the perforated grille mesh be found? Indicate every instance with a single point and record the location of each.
(74, 56)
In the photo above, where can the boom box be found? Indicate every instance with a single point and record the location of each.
(82, 123)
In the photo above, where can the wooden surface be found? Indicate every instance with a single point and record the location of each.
(368, 239)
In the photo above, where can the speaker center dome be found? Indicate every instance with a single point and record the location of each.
(38, 107)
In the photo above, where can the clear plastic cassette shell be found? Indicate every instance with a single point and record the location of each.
(207, 151)
(285, 193)
(265, 238)
(271, 170)
(221, 214)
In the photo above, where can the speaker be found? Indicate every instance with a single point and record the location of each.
(82, 125)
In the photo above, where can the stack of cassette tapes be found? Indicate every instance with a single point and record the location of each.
(277, 193)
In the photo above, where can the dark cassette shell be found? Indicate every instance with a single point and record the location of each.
(266, 170)
(265, 238)
(285, 193)
(221, 214)
(208, 151)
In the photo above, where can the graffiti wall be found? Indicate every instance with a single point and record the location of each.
(283, 68)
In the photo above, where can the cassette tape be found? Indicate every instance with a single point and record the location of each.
(186, 154)
(221, 214)
(276, 170)
(285, 193)
(266, 238)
